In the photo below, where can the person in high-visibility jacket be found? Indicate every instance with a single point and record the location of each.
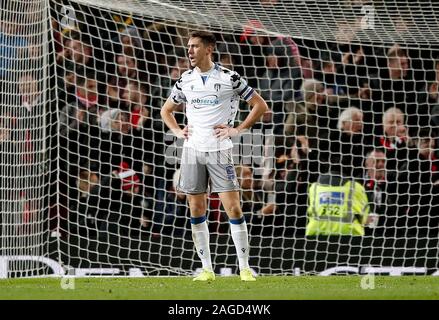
(336, 206)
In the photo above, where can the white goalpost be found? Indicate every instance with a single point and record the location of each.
(27, 117)
(88, 168)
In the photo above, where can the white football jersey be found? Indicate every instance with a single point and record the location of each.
(211, 98)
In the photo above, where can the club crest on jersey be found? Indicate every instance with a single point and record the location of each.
(217, 86)
(230, 172)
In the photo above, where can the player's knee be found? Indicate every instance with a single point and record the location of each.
(197, 208)
(197, 205)
(235, 212)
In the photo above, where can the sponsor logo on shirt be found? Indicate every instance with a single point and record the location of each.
(209, 100)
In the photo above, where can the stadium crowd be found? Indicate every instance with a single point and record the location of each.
(374, 108)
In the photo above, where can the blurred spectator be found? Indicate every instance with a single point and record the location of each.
(24, 148)
(29, 118)
(57, 35)
(79, 221)
(433, 92)
(67, 79)
(12, 47)
(134, 98)
(398, 62)
(432, 109)
(351, 121)
(228, 47)
(143, 128)
(395, 141)
(78, 51)
(306, 68)
(281, 82)
(327, 74)
(132, 43)
(116, 205)
(87, 180)
(381, 192)
(118, 74)
(115, 128)
(181, 66)
(345, 30)
(75, 60)
(80, 116)
(7, 123)
(176, 213)
(35, 49)
(395, 86)
(258, 213)
(420, 177)
(113, 120)
(29, 91)
(287, 48)
(375, 178)
(253, 46)
(142, 147)
(113, 93)
(87, 91)
(130, 39)
(78, 130)
(350, 142)
(304, 122)
(161, 89)
(355, 70)
(146, 137)
(127, 67)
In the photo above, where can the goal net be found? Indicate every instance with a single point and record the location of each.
(352, 88)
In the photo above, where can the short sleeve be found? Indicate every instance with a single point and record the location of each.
(240, 87)
(177, 94)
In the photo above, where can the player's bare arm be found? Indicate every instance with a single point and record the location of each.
(167, 114)
(258, 108)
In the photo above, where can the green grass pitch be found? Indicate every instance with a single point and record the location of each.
(224, 288)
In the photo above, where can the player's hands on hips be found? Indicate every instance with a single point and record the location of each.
(182, 133)
(223, 131)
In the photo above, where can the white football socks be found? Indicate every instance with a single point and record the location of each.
(200, 235)
(238, 228)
